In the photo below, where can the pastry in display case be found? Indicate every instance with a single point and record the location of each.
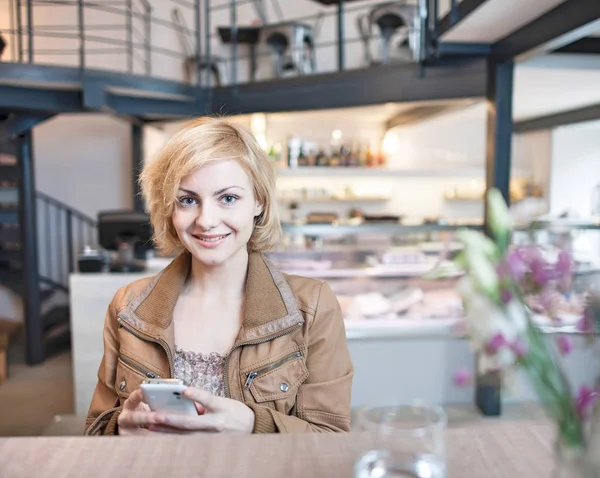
(379, 271)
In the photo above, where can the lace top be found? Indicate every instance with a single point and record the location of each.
(203, 371)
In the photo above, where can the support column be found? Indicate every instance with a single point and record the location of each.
(34, 332)
(137, 162)
(488, 396)
(340, 36)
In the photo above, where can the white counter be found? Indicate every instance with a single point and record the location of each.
(395, 361)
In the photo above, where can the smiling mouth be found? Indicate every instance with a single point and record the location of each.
(211, 238)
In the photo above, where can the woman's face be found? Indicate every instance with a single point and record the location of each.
(214, 212)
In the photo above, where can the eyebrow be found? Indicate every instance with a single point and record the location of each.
(216, 193)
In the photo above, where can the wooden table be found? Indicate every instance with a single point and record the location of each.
(497, 449)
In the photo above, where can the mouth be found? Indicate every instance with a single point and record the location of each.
(212, 239)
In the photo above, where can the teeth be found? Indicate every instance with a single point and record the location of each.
(211, 239)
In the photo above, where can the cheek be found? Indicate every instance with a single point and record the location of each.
(241, 219)
(181, 220)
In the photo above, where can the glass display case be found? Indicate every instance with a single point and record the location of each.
(379, 271)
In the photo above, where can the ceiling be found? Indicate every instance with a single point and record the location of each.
(371, 114)
(555, 83)
(493, 21)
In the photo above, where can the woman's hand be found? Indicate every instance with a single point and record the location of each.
(216, 414)
(136, 417)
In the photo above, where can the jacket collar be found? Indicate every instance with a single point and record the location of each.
(270, 306)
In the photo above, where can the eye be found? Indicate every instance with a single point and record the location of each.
(228, 199)
(187, 201)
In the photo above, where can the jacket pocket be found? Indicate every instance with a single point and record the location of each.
(130, 375)
(278, 380)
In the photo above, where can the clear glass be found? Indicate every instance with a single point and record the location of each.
(569, 462)
(408, 441)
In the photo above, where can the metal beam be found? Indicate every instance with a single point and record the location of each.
(16, 125)
(458, 12)
(96, 84)
(564, 24)
(464, 78)
(585, 46)
(141, 106)
(34, 99)
(499, 138)
(460, 48)
(579, 115)
(34, 332)
(137, 161)
(23, 73)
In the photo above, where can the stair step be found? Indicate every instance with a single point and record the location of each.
(56, 317)
(9, 215)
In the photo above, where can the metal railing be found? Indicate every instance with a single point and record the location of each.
(181, 39)
(63, 232)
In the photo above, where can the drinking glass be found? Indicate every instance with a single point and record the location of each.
(408, 441)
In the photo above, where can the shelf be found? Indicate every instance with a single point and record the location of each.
(378, 172)
(388, 228)
(394, 327)
(413, 270)
(469, 173)
(337, 200)
(389, 327)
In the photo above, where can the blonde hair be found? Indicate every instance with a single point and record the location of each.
(201, 141)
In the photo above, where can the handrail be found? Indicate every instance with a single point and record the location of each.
(138, 17)
(62, 205)
(63, 232)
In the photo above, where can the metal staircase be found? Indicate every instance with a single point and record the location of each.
(60, 233)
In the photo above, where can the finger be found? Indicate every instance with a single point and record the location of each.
(135, 398)
(201, 409)
(207, 400)
(138, 419)
(143, 407)
(132, 431)
(208, 422)
(166, 429)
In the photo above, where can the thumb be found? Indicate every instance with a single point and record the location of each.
(207, 400)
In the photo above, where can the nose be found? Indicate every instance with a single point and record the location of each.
(207, 217)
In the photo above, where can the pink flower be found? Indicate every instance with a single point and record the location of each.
(585, 400)
(564, 265)
(586, 323)
(462, 377)
(516, 264)
(540, 273)
(505, 295)
(564, 345)
(495, 343)
(519, 348)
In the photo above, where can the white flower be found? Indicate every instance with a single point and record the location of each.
(486, 320)
(498, 214)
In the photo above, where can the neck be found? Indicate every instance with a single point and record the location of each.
(228, 279)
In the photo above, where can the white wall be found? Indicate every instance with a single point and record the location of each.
(575, 168)
(85, 161)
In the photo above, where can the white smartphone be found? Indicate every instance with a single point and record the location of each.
(166, 396)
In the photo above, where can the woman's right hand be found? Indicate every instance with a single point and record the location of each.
(136, 416)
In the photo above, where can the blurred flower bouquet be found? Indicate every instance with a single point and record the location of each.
(500, 324)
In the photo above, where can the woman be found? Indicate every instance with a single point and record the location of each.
(261, 351)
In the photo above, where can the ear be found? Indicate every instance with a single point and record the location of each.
(258, 209)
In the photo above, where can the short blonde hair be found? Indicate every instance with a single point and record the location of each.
(201, 141)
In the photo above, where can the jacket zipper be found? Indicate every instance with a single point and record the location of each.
(147, 338)
(94, 424)
(250, 376)
(255, 342)
(139, 368)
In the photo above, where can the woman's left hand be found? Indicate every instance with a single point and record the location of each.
(219, 415)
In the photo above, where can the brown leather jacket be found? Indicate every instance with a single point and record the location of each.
(290, 362)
